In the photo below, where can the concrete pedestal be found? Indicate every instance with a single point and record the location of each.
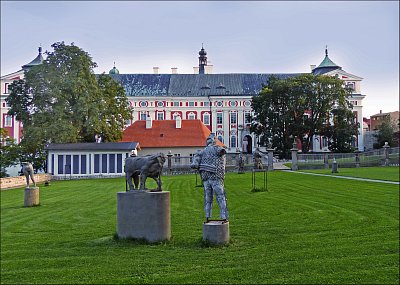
(31, 197)
(334, 167)
(216, 232)
(144, 215)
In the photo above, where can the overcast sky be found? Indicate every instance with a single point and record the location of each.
(239, 37)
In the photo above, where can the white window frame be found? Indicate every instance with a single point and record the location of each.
(232, 142)
(206, 119)
(233, 118)
(324, 142)
(247, 117)
(160, 116)
(220, 118)
(8, 121)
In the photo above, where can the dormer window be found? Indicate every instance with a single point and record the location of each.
(221, 86)
(350, 85)
(205, 87)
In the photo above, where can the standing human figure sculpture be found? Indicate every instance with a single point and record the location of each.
(241, 163)
(27, 169)
(257, 160)
(211, 165)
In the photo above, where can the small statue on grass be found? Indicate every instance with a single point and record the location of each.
(211, 165)
(27, 170)
(241, 163)
(257, 160)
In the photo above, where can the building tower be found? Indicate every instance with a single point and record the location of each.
(326, 65)
(202, 60)
(114, 70)
(38, 60)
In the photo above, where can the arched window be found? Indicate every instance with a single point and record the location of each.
(206, 118)
(191, 116)
(221, 139)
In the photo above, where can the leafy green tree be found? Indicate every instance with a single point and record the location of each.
(300, 107)
(9, 152)
(62, 101)
(386, 132)
(342, 132)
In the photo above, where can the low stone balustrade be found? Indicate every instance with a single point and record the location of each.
(20, 181)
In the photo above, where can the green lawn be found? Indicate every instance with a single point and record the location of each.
(305, 229)
(390, 173)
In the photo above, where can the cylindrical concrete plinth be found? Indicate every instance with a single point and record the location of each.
(216, 232)
(144, 215)
(31, 196)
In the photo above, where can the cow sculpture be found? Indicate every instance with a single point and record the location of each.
(140, 167)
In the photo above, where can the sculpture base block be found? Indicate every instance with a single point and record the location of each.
(216, 232)
(144, 215)
(31, 197)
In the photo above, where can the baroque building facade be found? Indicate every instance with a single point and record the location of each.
(221, 101)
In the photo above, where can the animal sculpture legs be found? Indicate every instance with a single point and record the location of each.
(212, 186)
(135, 178)
(143, 179)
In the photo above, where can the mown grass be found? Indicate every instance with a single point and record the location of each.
(304, 229)
(389, 173)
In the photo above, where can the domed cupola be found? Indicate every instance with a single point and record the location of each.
(326, 65)
(38, 60)
(114, 70)
(202, 51)
(202, 60)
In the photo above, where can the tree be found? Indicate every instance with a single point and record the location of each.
(386, 132)
(62, 101)
(301, 107)
(342, 132)
(9, 152)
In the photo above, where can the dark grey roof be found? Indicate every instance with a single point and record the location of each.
(144, 84)
(177, 85)
(94, 146)
(323, 70)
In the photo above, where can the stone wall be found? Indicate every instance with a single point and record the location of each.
(20, 181)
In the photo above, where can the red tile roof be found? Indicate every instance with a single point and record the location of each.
(165, 134)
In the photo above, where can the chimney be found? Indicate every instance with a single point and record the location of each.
(178, 122)
(208, 69)
(196, 70)
(312, 66)
(174, 70)
(149, 122)
(155, 69)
